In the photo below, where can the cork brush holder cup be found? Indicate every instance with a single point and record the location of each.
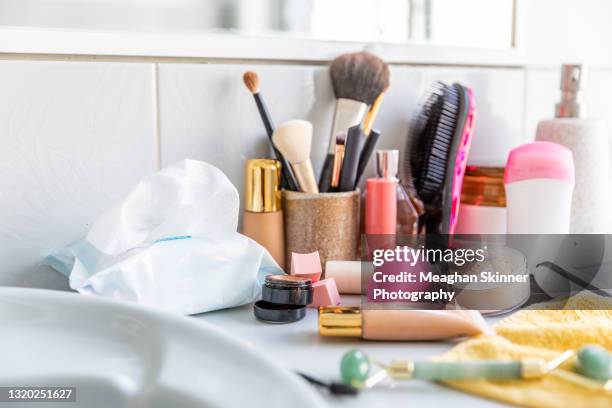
(326, 222)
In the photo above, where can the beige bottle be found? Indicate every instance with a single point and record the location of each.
(400, 325)
(263, 216)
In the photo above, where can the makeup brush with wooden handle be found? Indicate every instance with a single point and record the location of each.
(251, 81)
(368, 122)
(338, 161)
(358, 79)
(294, 140)
(371, 139)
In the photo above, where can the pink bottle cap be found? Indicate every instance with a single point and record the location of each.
(539, 160)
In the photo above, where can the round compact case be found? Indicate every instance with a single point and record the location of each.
(284, 298)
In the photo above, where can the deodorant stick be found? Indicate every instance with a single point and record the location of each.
(539, 182)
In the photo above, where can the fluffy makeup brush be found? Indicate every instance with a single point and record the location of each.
(293, 139)
(357, 79)
(251, 81)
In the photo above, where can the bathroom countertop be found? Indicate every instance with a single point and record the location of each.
(300, 347)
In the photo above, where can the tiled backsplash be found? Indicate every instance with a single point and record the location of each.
(77, 135)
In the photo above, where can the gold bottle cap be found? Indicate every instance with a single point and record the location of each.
(262, 185)
(340, 321)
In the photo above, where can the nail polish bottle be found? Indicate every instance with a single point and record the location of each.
(263, 217)
(381, 195)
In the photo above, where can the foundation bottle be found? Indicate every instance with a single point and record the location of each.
(399, 325)
(263, 217)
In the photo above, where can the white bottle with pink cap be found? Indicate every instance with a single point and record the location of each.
(539, 182)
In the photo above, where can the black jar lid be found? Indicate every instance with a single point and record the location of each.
(275, 313)
(287, 290)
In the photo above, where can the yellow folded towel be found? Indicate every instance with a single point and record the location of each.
(541, 334)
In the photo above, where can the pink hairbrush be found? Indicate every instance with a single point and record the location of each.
(440, 138)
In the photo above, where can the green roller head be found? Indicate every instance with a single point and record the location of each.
(355, 368)
(594, 362)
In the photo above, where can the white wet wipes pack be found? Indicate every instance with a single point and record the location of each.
(171, 243)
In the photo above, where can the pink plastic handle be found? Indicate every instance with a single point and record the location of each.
(461, 159)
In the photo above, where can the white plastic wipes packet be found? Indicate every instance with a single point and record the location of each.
(171, 243)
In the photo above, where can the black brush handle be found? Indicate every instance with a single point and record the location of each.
(288, 180)
(355, 139)
(366, 153)
(336, 388)
(326, 174)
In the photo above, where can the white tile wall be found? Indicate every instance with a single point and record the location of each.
(74, 136)
(207, 114)
(543, 93)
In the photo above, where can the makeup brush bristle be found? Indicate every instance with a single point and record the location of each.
(293, 139)
(359, 76)
(341, 139)
(251, 80)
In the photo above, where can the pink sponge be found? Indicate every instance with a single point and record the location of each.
(325, 293)
(306, 265)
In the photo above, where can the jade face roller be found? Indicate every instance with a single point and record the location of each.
(593, 362)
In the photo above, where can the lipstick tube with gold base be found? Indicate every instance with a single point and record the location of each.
(263, 217)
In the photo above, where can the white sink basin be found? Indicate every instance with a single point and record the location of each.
(118, 355)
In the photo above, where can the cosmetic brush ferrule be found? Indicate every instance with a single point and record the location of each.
(348, 113)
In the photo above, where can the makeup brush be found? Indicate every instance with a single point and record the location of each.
(368, 145)
(358, 79)
(352, 151)
(293, 139)
(251, 80)
(372, 113)
(338, 160)
(366, 154)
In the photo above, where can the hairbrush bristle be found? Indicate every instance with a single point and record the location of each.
(359, 76)
(431, 133)
(251, 80)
